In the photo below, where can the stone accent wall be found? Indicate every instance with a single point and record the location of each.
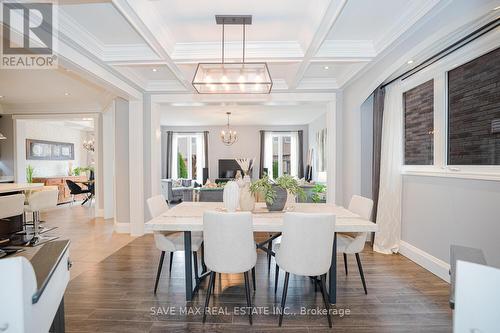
(474, 112)
(419, 124)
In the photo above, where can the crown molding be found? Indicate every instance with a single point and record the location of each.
(317, 84)
(275, 50)
(52, 108)
(69, 27)
(164, 86)
(346, 49)
(415, 12)
(128, 52)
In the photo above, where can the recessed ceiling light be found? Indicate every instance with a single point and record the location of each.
(409, 62)
(496, 8)
(326, 67)
(155, 70)
(1, 96)
(67, 94)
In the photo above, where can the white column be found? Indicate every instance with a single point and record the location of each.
(155, 150)
(108, 152)
(121, 167)
(98, 168)
(331, 144)
(136, 167)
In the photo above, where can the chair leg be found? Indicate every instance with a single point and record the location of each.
(345, 263)
(158, 273)
(361, 273)
(195, 263)
(283, 298)
(249, 299)
(327, 306)
(203, 266)
(171, 261)
(253, 279)
(209, 291)
(276, 277)
(269, 255)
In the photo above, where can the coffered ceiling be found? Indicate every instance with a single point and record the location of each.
(310, 45)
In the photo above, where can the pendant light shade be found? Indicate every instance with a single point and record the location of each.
(234, 77)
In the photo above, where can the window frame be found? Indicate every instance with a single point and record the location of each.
(293, 146)
(439, 72)
(199, 154)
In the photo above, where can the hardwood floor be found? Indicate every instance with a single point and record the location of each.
(116, 295)
(92, 239)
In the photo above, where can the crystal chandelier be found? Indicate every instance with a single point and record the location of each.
(89, 145)
(235, 77)
(228, 136)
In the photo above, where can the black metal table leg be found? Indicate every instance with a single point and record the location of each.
(332, 285)
(187, 265)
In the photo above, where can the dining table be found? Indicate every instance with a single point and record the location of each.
(188, 217)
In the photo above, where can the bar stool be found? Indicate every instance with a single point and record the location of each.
(37, 202)
(10, 206)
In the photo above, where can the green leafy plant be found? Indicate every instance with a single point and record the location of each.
(318, 192)
(265, 186)
(77, 171)
(183, 172)
(30, 170)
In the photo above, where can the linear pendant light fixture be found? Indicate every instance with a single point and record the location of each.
(234, 77)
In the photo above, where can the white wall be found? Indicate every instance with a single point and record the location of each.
(437, 212)
(42, 130)
(247, 146)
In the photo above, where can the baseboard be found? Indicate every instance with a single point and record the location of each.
(122, 227)
(434, 265)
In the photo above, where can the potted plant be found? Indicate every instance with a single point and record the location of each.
(275, 192)
(318, 193)
(30, 170)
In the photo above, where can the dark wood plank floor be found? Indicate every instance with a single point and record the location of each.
(117, 296)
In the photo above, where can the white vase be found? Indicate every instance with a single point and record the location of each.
(247, 200)
(231, 196)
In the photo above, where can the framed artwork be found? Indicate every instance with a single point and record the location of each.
(49, 150)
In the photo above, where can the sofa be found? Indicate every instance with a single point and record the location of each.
(176, 190)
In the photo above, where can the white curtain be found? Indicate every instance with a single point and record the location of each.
(268, 153)
(388, 237)
(175, 161)
(294, 150)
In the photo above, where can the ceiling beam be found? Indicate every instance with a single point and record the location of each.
(332, 13)
(160, 47)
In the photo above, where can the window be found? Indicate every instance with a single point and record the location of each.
(188, 156)
(418, 106)
(281, 154)
(474, 112)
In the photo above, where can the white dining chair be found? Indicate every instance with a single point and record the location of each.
(157, 205)
(229, 248)
(306, 250)
(355, 243)
(37, 202)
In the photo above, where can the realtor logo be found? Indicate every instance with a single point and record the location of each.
(28, 36)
